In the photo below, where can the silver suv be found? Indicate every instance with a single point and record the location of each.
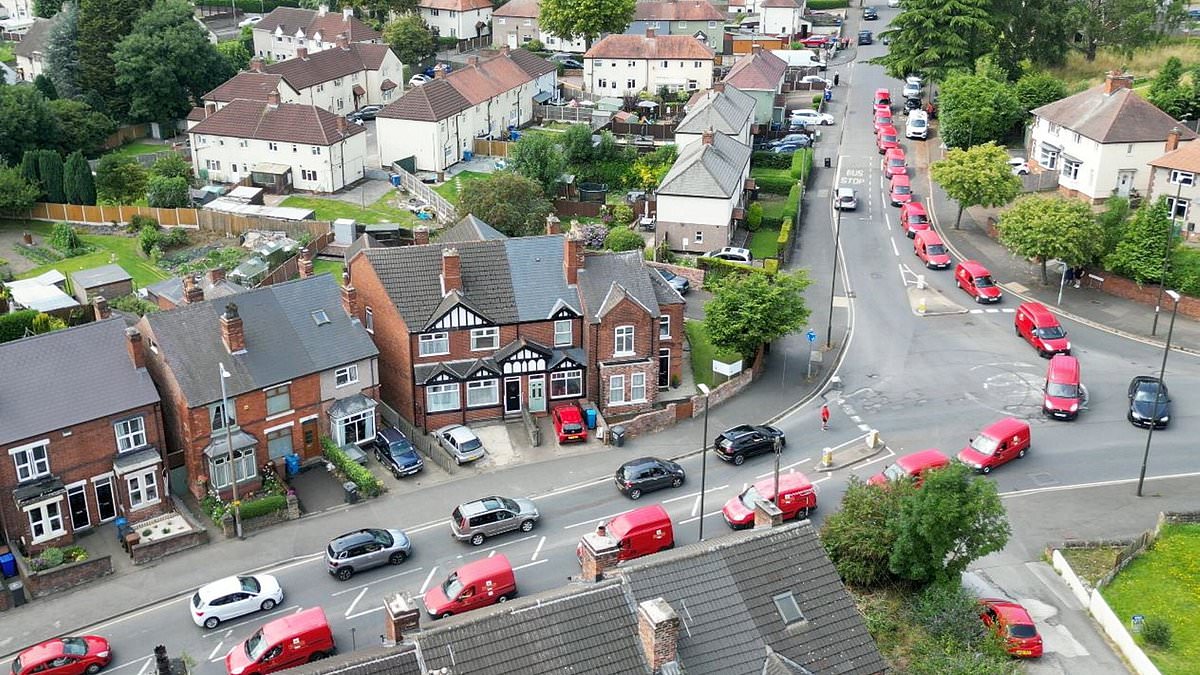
(487, 517)
(361, 550)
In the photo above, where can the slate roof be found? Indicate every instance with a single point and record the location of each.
(172, 289)
(248, 85)
(284, 122)
(524, 9)
(99, 276)
(1184, 158)
(473, 84)
(36, 37)
(606, 277)
(762, 71)
(1119, 117)
(455, 5)
(469, 228)
(329, 64)
(726, 112)
(87, 366)
(642, 47)
(311, 21)
(675, 10)
(283, 341)
(704, 170)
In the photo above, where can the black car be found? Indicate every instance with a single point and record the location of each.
(680, 284)
(911, 104)
(1149, 402)
(647, 474)
(368, 112)
(396, 453)
(865, 37)
(737, 443)
(870, 14)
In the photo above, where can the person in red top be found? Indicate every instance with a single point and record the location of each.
(824, 417)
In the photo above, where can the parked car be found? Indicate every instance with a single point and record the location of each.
(816, 41)
(567, 61)
(918, 125)
(365, 549)
(289, 641)
(396, 453)
(845, 199)
(865, 37)
(731, 253)
(250, 20)
(1019, 166)
(64, 656)
(810, 116)
(647, 474)
(870, 14)
(477, 520)
(568, 423)
(232, 597)
(476, 584)
(418, 80)
(1149, 402)
(368, 112)
(893, 3)
(462, 443)
(913, 466)
(894, 163)
(737, 443)
(911, 90)
(787, 148)
(900, 191)
(816, 79)
(792, 139)
(680, 284)
(883, 119)
(887, 139)
(911, 105)
(1013, 624)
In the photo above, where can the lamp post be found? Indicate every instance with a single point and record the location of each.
(1162, 281)
(1162, 372)
(703, 457)
(837, 238)
(237, 507)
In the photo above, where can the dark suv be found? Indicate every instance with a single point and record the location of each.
(361, 550)
(638, 476)
(738, 443)
(396, 453)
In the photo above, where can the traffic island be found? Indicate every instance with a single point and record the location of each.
(839, 457)
(930, 301)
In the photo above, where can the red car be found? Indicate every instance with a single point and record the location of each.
(64, 656)
(568, 423)
(894, 163)
(815, 41)
(901, 190)
(1014, 624)
(886, 139)
(883, 120)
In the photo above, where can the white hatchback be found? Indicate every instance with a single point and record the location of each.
(810, 116)
(232, 597)
(918, 125)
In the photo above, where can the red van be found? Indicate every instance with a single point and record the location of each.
(480, 583)
(913, 218)
(977, 281)
(1063, 394)
(639, 532)
(894, 163)
(797, 497)
(900, 190)
(882, 99)
(928, 246)
(1041, 329)
(286, 642)
(914, 465)
(999, 442)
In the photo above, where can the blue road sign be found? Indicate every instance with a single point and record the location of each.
(811, 335)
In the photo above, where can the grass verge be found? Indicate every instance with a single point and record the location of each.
(764, 243)
(137, 148)
(451, 187)
(1090, 564)
(703, 353)
(123, 251)
(332, 209)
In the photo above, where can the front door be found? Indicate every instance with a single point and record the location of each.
(537, 393)
(664, 368)
(77, 501)
(512, 395)
(1124, 182)
(105, 504)
(312, 443)
(512, 40)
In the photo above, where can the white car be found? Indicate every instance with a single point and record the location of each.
(232, 597)
(462, 443)
(249, 21)
(893, 3)
(918, 125)
(731, 253)
(815, 79)
(809, 116)
(911, 90)
(1019, 166)
(418, 80)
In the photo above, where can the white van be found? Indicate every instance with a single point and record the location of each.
(918, 125)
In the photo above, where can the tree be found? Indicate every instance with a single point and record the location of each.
(1166, 92)
(17, 194)
(858, 536)
(172, 166)
(44, 323)
(954, 518)
(45, 8)
(102, 24)
(752, 309)
(1035, 90)
(62, 52)
(1112, 222)
(508, 202)
(246, 39)
(538, 157)
(975, 109)
(166, 64)
(623, 239)
(1123, 24)
(50, 170)
(29, 170)
(1029, 31)
(26, 122)
(235, 54)
(937, 37)
(44, 84)
(577, 145)
(81, 126)
(649, 169)
(380, 10)
(410, 38)
(587, 19)
(78, 184)
(119, 180)
(1140, 253)
(977, 176)
(167, 192)
(1049, 226)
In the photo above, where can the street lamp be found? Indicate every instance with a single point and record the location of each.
(1162, 282)
(837, 238)
(1162, 372)
(237, 507)
(703, 457)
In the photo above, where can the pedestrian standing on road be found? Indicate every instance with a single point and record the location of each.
(836, 77)
(824, 417)
(1071, 275)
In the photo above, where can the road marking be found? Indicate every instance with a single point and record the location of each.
(146, 665)
(354, 604)
(696, 505)
(692, 520)
(492, 549)
(428, 578)
(1103, 483)
(895, 249)
(781, 469)
(855, 418)
(426, 526)
(821, 480)
(692, 495)
(531, 564)
(215, 650)
(538, 550)
(593, 521)
(374, 581)
(891, 453)
(148, 659)
(864, 427)
(364, 612)
(228, 628)
(572, 488)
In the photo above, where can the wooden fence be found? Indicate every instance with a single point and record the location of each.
(562, 113)
(125, 134)
(485, 148)
(569, 209)
(659, 132)
(446, 213)
(196, 219)
(290, 269)
(471, 44)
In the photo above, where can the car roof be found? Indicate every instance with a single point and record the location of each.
(900, 179)
(349, 539)
(1063, 365)
(40, 652)
(643, 461)
(915, 207)
(893, 153)
(478, 506)
(929, 237)
(923, 458)
(1009, 610)
(887, 129)
(461, 433)
(568, 411)
(220, 587)
(739, 430)
(844, 191)
(292, 625)
(392, 435)
(973, 267)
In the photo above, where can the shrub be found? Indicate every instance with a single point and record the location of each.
(802, 161)
(816, 5)
(74, 554)
(214, 507)
(174, 237)
(770, 160)
(1157, 631)
(774, 183)
(131, 304)
(533, 46)
(594, 235)
(263, 505)
(66, 239)
(148, 238)
(51, 557)
(14, 325)
(816, 100)
(137, 222)
(368, 484)
(623, 239)
(793, 201)
(754, 217)
(785, 235)
(623, 214)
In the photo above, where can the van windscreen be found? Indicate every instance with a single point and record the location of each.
(452, 587)
(255, 645)
(1061, 390)
(984, 445)
(1050, 333)
(750, 497)
(984, 281)
(935, 249)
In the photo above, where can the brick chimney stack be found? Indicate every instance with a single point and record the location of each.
(756, 49)
(473, 61)
(342, 124)
(209, 109)
(600, 552)
(707, 137)
(231, 330)
(302, 53)
(719, 87)
(216, 274)
(658, 631)
(101, 308)
(342, 41)
(504, 50)
(451, 271)
(420, 235)
(1173, 140)
(192, 291)
(305, 264)
(438, 72)
(133, 342)
(403, 616)
(256, 64)
(572, 256)
(1115, 80)
(553, 224)
(349, 296)
(273, 99)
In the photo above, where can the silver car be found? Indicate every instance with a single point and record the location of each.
(845, 199)
(361, 550)
(476, 521)
(462, 443)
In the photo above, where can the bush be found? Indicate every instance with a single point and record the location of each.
(1157, 631)
(594, 235)
(802, 161)
(148, 238)
(774, 183)
(138, 221)
(51, 557)
(174, 237)
(214, 507)
(131, 304)
(770, 160)
(816, 101)
(368, 484)
(1185, 270)
(792, 204)
(64, 238)
(14, 325)
(623, 239)
(72, 554)
(754, 217)
(533, 46)
(785, 235)
(623, 214)
(263, 505)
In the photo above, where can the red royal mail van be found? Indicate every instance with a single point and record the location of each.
(639, 532)
(977, 281)
(928, 246)
(286, 642)
(797, 497)
(477, 584)
(1041, 329)
(915, 465)
(894, 163)
(913, 218)
(882, 98)
(999, 442)
(1063, 393)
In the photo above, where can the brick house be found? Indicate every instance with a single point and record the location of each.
(171, 293)
(299, 367)
(479, 326)
(73, 466)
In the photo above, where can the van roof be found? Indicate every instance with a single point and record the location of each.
(484, 567)
(894, 152)
(1063, 367)
(1004, 427)
(625, 522)
(923, 459)
(294, 624)
(929, 237)
(787, 481)
(1038, 311)
(974, 268)
(914, 207)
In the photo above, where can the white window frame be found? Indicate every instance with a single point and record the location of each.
(128, 437)
(623, 341)
(637, 387)
(28, 464)
(369, 323)
(143, 489)
(481, 388)
(1047, 157)
(47, 519)
(616, 389)
(344, 377)
(1070, 169)
(442, 390)
(567, 377)
(491, 334)
(428, 342)
(280, 433)
(664, 326)
(243, 466)
(699, 237)
(1178, 177)
(564, 338)
(1178, 208)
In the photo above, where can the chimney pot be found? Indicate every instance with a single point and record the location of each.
(302, 53)
(756, 49)
(216, 274)
(232, 333)
(599, 553)
(1115, 80)
(133, 343)
(342, 124)
(421, 235)
(256, 64)
(322, 10)
(707, 137)
(649, 32)
(1173, 139)
(553, 224)
(403, 616)
(342, 41)
(347, 13)
(451, 271)
(101, 308)
(504, 50)
(438, 72)
(658, 631)
(192, 291)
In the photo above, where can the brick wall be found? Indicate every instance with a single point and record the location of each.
(63, 577)
(161, 548)
(1147, 295)
(390, 336)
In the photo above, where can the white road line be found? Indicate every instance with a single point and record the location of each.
(571, 488)
(821, 480)
(855, 418)
(492, 554)
(895, 249)
(593, 521)
(350, 609)
(992, 311)
(538, 550)
(693, 495)
(692, 520)
(521, 567)
(428, 578)
(1103, 483)
(492, 549)
(216, 649)
(374, 581)
(877, 459)
(864, 427)
(146, 665)
(364, 612)
(696, 506)
(427, 526)
(130, 663)
(785, 467)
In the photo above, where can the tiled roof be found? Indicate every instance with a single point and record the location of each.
(172, 289)
(455, 5)
(248, 85)
(531, 63)
(1185, 158)
(762, 72)
(196, 114)
(704, 170)
(676, 10)
(66, 377)
(36, 36)
(469, 228)
(1120, 117)
(524, 9)
(311, 22)
(283, 338)
(609, 276)
(285, 122)
(642, 47)
(726, 112)
(430, 102)
(473, 84)
(329, 64)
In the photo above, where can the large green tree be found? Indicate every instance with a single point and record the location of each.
(380, 10)
(50, 170)
(538, 158)
(81, 126)
(26, 122)
(62, 52)
(508, 202)
(587, 19)
(166, 64)
(411, 40)
(120, 180)
(977, 176)
(29, 170)
(1144, 243)
(1122, 24)
(44, 84)
(1029, 31)
(45, 8)
(937, 37)
(235, 54)
(749, 310)
(172, 166)
(1048, 226)
(78, 184)
(858, 537)
(102, 24)
(1166, 90)
(974, 109)
(1035, 90)
(167, 192)
(17, 194)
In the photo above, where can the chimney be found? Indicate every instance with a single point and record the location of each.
(100, 306)
(342, 41)
(473, 61)
(504, 50)
(658, 631)
(572, 256)
(403, 616)
(719, 87)
(598, 553)
(347, 13)
(209, 108)
(342, 125)
(322, 9)
(349, 295)
(192, 291)
(451, 271)
(553, 224)
(215, 275)
(273, 99)
(133, 342)
(707, 137)
(767, 514)
(231, 330)
(306, 264)
(1115, 80)
(756, 49)
(1173, 139)
(256, 64)
(420, 235)
(649, 32)
(302, 53)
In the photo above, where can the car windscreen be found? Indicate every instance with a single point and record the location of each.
(1050, 333)
(509, 504)
(902, 190)
(985, 445)
(896, 162)
(1022, 630)
(452, 586)
(399, 449)
(917, 219)
(917, 123)
(1061, 390)
(1146, 394)
(255, 645)
(888, 138)
(935, 249)
(469, 445)
(249, 584)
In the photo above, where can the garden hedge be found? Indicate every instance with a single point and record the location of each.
(368, 484)
(263, 506)
(770, 160)
(773, 183)
(817, 5)
(802, 161)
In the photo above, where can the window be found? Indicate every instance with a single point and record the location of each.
(308, 174)
(683, 24)
(370, 323)
(1048, 156)
(433, 12)
(693, 85)
(45, 521)
(697, 64)
(1182, 177)
(1071, 168)
(631, 83)
(500, 20)
(712, 24)
(431, 344)
(439, 397)
(1077, 139)
(653, 24)
(272, 146)
(616, 389)
(562, 333)
(528, 22)
(316, 150)
(601, 83)
(143, 488)
(279, 443)
(337, 82)
(631, 64)
(486, 392)
(1178, 207)
(485, 338)
(131, 433)
(243, 465)
(665, 64)
(345, 376)
(217, 417)
(356, 428)
(637, 387)
(566, 384)
(789, 609)
(242, 144)
(212, 164)
(664, 326)
(296, 148)
(279, 399)
(33, 460)
(699, 237)
(623, 345)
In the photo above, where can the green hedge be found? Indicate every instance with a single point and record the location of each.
(817, 5)
(774, 183)
(793, 201)
(770, 160)
(368, 484)
(263, 506)
(718, 268)
(802, 161)
(785, 236)
(13, 326)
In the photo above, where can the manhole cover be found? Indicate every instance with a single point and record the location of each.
(1043, 479)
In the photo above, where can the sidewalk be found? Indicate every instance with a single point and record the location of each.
(1022, 279)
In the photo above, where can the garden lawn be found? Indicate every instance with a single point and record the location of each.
(329, 267)
(450, 188)
(703, 353)
(773, 206)
(6, 52)
(1164, 582)
(764, 243)
(124, 251)
(332, 209)
(136, 148)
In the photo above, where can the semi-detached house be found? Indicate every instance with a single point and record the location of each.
(760, 74)
(620, 65)
(286, 29)
(515, 23)
(703, 195)
(697, 18)
(724, 109)
(460, 19)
